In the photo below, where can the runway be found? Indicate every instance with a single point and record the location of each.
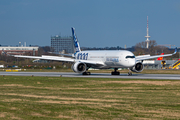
(95, 75)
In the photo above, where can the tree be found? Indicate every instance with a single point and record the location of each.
(154, 49)
(44, 50)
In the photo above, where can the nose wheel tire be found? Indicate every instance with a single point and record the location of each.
(129, 73)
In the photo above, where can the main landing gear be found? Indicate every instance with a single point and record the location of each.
(86, 73)
(115, 72)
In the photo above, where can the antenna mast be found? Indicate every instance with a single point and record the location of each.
(147, 36)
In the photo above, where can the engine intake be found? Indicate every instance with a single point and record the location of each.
(137, 68)
(79, 67)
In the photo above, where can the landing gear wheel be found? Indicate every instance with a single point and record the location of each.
(115, 72)
(130, 73)
(86, 73)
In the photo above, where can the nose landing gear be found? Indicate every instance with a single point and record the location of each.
(129, 73)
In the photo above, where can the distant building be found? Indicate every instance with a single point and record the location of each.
(60, 44)
(19, 50)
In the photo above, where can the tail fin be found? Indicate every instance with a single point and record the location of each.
(160, 58)
(76, 43)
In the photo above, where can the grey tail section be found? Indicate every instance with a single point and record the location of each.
(76, 43)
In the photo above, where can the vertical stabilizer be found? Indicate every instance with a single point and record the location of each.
(76, 43)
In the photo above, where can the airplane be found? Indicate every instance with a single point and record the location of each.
(100, 59)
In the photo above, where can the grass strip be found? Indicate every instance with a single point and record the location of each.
(24, 97)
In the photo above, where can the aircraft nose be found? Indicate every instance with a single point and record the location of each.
(131, 62)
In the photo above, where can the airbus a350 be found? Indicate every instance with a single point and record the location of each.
(100, 59)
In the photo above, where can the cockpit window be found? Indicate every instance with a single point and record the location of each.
(130, 56)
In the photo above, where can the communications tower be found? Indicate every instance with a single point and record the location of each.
(147, 36)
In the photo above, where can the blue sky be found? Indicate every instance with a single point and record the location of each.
(98, 23)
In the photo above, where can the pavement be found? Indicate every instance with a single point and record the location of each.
(95, 75)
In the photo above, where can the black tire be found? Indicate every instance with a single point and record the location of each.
(86, 73)
(115, 73)
(129, 73)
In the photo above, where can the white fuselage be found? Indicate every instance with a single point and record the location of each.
(110, 58)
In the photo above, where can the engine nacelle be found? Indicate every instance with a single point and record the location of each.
(79, 67)
(138, 67)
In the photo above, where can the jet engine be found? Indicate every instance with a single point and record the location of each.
(79, 67)
(137, 68)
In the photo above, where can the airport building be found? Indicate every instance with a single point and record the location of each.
(19, 50)
(161, 64)
(62, 44)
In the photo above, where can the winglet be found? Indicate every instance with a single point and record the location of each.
(76, 43)
(175, 51)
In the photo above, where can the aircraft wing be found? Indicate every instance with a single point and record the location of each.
(141, 56)
(63, 59)
(146, 57)
(55, 58)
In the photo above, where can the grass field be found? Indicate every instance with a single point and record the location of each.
(48, 98)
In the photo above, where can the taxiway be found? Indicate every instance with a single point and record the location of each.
(94, 75)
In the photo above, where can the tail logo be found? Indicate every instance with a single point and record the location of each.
(76, 43)
(160, 58)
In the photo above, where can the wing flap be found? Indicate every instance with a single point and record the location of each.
(91, 62)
